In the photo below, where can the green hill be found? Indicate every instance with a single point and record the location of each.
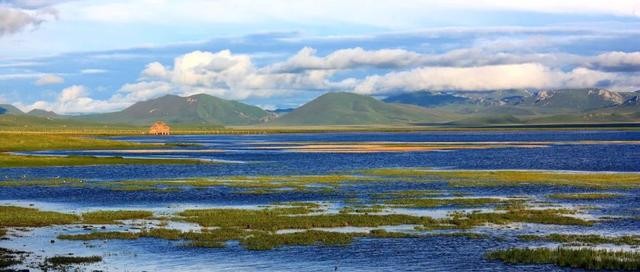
(354, 109)
(200, 109)
(9, 109)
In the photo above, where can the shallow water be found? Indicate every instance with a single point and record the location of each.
(240, 155)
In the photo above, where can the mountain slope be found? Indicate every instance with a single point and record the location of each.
(9, 109)
(44, 113)
(354, 109)
(425, 99)
(576, 99)
(176, 110)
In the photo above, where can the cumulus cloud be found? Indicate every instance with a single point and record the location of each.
(74, 99)
(492, 77)
(31, 4)
(13, 20)
(617, 61)
(49, 79)
(306, 59)
(235, 76)
(232, 76)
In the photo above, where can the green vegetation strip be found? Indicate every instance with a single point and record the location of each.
(633, 240)
(279, 219)
(250, 239)
(440, 202)
(331, 182)
(7, 160)
(584, 196)
(11, 216)
(34, 142)
(70, 260)
(586, 258)
(475, 178)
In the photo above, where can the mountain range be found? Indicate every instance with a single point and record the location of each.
(461, 108)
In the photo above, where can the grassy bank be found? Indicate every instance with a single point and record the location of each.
(633, 240)
(590, 259)
(477, 178)
(16, 142)
(7, 160)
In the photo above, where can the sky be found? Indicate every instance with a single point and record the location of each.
(85, 56)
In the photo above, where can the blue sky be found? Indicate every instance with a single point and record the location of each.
(95, 56)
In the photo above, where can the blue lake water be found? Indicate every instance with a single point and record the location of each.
(562, 153)
(244, 155)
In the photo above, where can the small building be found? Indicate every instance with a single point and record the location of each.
(160, 128)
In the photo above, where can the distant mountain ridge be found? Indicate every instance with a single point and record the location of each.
(460, 108)
(199, 109)
(354, 109)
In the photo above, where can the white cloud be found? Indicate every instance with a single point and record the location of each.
(231, 76)
(13, 20)
(384, 13)
(617, 61)
(74, 99)
(93, 71)
(492, 77)
(49, 79)
(349, 58)
(234, 76)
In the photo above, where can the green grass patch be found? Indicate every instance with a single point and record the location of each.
(511, 214)
(476, 178)
(408, 194)
(583, 196)
(266, 241)
(8, 160)
(632, 240)
(36, 141)
(277, 219)
(441, 202)
(363, 209)
(590, 259)
(111, 217)
(12, 216)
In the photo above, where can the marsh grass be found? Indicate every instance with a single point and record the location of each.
(33, 142)
(7, 160)
(511, 214)
(477, 178)
(632, 240)
(585, 258)
(266, 241)
(584, 196)
(12, 216)
(441, 202)
(363, 209)
(70, 260)
(283, 218)
(111, 217)
(407, 194)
